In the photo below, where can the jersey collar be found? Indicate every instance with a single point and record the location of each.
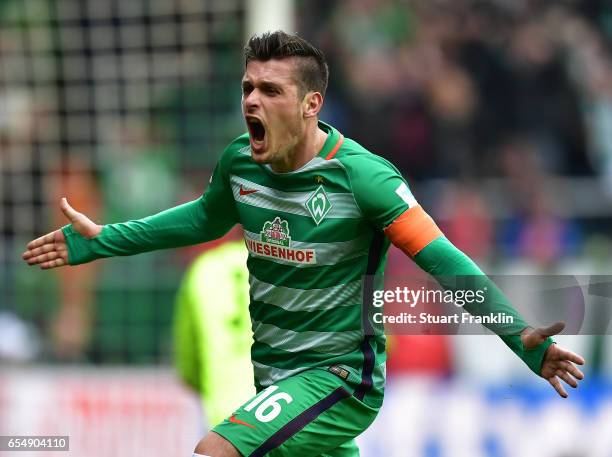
(332, 143)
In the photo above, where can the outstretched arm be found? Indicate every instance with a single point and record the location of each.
(207, 218)
(418, 236)
(83, 241)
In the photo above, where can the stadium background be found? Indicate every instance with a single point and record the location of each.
(498, 112)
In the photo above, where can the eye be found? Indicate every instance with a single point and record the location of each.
(270, 90)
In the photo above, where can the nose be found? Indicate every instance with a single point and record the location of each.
(251, 101)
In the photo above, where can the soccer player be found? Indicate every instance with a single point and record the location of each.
(318, 212)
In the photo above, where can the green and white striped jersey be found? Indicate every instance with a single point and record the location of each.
(313, 236)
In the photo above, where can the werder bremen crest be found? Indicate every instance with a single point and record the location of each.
(318, 205)
(276, 232)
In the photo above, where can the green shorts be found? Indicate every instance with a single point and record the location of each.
(310, 414)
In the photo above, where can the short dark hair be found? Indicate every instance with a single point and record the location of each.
(312, 70)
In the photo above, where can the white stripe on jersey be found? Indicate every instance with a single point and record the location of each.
(306, 299)
(335, 343)
(343, 204)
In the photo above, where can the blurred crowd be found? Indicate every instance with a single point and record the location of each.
(474, 90)
(458, 88)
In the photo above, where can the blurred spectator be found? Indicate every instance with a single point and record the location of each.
(468, 223)
(537, 229)
(71, 327)
(133, 296)
(147, 173)
(212, 329)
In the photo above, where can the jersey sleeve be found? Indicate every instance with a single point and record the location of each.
(218, 199)
(380, 191)
(207, 218)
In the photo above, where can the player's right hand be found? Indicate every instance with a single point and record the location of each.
(558, 363)
(50, 250)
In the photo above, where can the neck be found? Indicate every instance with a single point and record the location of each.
(307, 147)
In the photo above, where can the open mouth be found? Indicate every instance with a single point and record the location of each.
(256, 129)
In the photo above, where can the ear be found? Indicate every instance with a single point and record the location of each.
(312, 104)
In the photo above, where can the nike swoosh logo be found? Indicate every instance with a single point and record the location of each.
(238, 421)
(244, 191)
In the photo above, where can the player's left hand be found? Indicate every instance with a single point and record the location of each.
(558, 363)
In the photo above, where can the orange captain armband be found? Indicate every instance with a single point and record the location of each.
(413, 230)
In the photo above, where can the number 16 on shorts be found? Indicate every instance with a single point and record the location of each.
(268, 403)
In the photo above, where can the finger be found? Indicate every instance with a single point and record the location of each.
(45, 257)
(573, 370)
(532, 338)
(42, 258)
(551, 330)
(567, 378)
(48, 238)
(68, 210)
(41, 250)
(564, 354)
(554, 381)
(53, 264)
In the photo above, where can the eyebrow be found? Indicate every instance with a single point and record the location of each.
(270, 85)
(263, 84)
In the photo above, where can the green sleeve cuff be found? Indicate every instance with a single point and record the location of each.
(535, 357)
(79, 248)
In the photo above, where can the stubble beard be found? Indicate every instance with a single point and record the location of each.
(281, 156)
